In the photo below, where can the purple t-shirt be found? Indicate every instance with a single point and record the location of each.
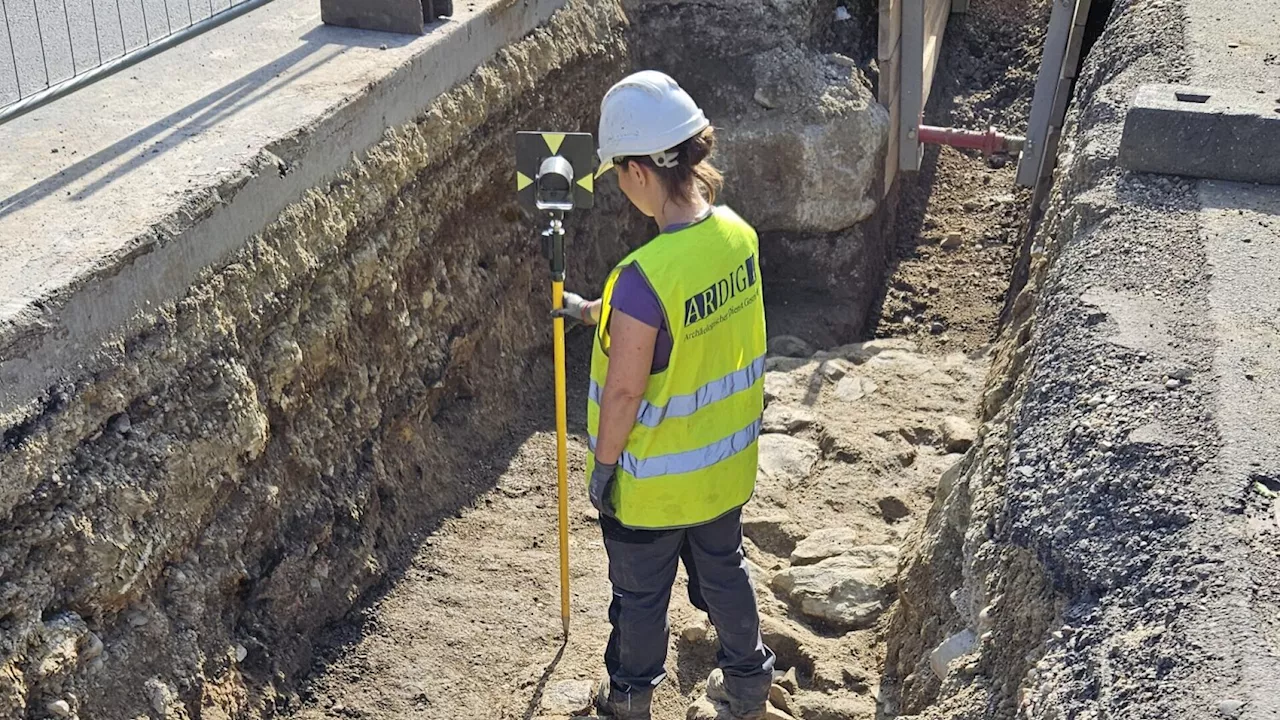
(633, 296)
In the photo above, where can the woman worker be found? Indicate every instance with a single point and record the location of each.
(675, 402)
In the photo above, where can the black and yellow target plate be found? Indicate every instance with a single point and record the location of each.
(532, 148)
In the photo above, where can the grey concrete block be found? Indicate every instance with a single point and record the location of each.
(398, 16)
(1203, 132)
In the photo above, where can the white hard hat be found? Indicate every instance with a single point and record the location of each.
(647, 113)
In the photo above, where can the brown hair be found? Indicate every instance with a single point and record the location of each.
(694, 173)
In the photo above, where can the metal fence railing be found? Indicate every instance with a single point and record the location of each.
(49, 48)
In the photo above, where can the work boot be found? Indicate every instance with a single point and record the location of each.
(745, 701)
(619, 705)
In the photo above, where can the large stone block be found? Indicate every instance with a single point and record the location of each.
(808, 158)
(845, 592)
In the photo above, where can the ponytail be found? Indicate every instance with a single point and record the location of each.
(693, 174)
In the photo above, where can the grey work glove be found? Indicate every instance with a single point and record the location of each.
(576, 309)
(602, 477)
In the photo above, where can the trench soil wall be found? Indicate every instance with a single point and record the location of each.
(199, 484)
(179, 525)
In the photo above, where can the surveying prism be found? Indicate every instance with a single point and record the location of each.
(555, 174)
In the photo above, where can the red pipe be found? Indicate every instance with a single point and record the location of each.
(989, 142)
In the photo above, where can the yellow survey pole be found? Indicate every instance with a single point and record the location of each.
(562, 452)
(554, 175)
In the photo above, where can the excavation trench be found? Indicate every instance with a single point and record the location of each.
(321, 484)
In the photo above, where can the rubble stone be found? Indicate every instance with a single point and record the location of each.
(789, 681)
(812, 168)
(957, 434)
(820, 706)
(786, 461)
(864, 351)
(840, 591)
(697, 631)
(822, 544)
(902, 363)
(780, 418)
(835, 368)
(855, 387)
(569, 697)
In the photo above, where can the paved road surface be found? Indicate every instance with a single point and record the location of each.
(65, 29)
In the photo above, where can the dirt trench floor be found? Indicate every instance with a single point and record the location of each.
(472, 629)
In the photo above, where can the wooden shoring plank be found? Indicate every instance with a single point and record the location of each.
(890, 86)
(1062, 94)
(1071, 64)
(1051, 146)
(889, 71)
(890, 28)
(1060, 100)
(935, 26)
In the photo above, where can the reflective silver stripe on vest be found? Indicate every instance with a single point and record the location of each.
(689, 460)
(686, 405)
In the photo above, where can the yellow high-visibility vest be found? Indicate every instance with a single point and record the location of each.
(691, 456)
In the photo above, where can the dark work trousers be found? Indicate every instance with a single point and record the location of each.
(642, 568)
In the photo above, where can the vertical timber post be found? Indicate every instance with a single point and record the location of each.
(1044, 100)
(911, 85)
(1062, 92)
